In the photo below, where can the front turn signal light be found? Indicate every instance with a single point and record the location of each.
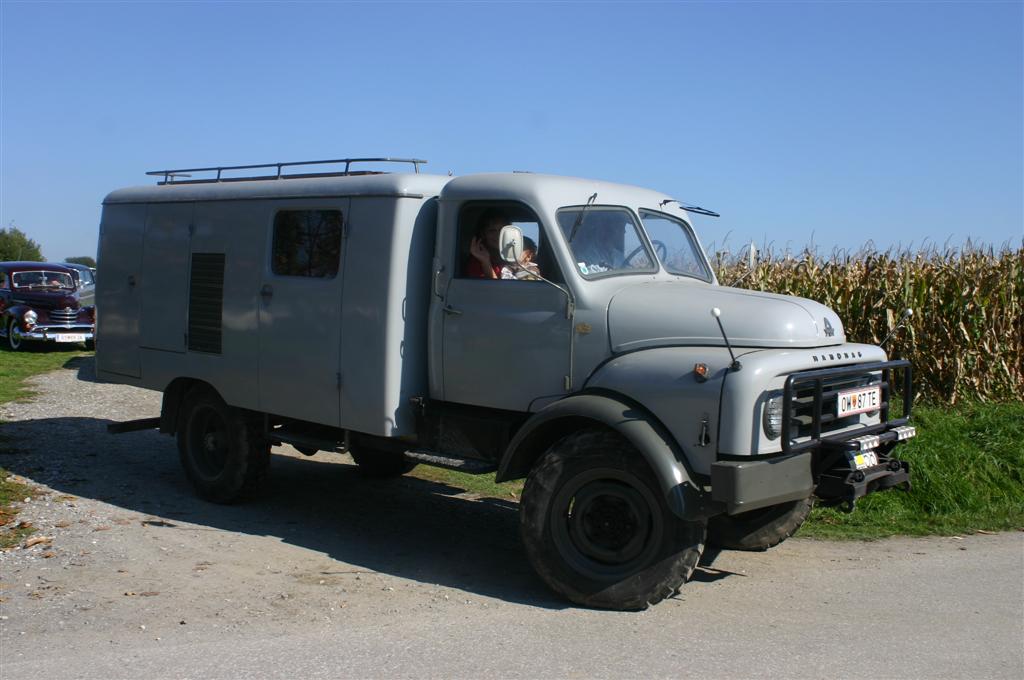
(701, 371)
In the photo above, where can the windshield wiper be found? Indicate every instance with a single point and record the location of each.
(579, 218)
(690, 208)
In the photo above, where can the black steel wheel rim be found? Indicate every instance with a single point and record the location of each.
(605, 523)
(208, 442)
(13, 335)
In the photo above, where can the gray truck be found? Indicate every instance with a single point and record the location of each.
(566, 331)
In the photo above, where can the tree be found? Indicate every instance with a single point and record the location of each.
(82, 259)
(15, 245)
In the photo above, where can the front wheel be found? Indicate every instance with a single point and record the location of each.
(759, 529)
(224, 455)
(14, 339)
(597, 528)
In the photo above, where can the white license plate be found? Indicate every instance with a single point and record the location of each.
(69, 337)
(858, 401)
(862, 459)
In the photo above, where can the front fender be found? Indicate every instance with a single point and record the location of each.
(684, 495)
(15, 311)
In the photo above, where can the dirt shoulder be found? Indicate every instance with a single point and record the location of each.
(328, 574)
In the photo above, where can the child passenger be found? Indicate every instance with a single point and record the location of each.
(527, 269)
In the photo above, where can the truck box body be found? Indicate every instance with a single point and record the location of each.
(346, 351)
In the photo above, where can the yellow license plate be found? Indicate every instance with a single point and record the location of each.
(862, 459)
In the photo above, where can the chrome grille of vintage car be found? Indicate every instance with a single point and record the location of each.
(65, 317)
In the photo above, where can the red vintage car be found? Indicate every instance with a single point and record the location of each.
(40, 301)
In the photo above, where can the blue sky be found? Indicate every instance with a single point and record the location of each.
(839, 122)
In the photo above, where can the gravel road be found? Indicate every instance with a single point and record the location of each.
(328, 575)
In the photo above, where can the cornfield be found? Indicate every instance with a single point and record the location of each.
(966, 335)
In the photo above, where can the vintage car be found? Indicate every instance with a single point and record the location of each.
(85, 279)
(41, 301)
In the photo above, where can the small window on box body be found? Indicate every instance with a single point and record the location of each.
(307, 243)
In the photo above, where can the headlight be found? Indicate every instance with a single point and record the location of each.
(30, 318)
(773, 417)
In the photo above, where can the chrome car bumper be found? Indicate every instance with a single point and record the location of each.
(49, 333)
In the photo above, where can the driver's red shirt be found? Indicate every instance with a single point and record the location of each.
(475, 270)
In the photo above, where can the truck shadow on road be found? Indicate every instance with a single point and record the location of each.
(407, 527)
(412, 528)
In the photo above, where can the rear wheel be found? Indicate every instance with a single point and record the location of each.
(597, 528)
(224, 455)
(381, 464)
(759, 529)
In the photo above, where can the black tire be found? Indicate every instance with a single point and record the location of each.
(381, 464)
(759, 529)
(224, 455)
(13, 343)
(90, 345)
(597, 529)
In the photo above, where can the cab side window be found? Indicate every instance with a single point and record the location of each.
(479, 226)
(3, 280)
(307, 243)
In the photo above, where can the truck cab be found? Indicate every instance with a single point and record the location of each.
(567, 331)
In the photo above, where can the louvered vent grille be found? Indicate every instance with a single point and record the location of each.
(205, 302)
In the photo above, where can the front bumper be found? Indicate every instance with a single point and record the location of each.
(51, 333)
(839, 468)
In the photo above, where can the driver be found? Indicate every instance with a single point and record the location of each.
(601, 250)
(483, 261)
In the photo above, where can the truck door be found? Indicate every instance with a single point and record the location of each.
(299, 312)
(119, 289)
(506, 341)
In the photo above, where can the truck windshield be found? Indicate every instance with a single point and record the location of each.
(42, 279)
(675, 245)
(605, 241)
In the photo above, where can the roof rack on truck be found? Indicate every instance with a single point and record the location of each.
(171, 176)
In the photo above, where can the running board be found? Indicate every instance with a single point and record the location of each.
(133, 425)
(468, 465)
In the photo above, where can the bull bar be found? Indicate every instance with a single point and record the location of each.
(885, 431)
(837, 480)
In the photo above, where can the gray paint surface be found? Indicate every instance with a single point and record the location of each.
(299, 330)
(678, 313)
(118, 292)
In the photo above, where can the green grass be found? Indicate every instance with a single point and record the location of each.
(16, 367)
(480, 485)
(967, 469)
(11, 492)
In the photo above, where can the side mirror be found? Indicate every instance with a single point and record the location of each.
(510, 244)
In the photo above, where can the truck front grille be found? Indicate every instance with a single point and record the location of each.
(802, 421)
(67, 317)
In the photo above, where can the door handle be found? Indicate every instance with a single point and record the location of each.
(131, 280)
(448, 309)
(267, 291)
